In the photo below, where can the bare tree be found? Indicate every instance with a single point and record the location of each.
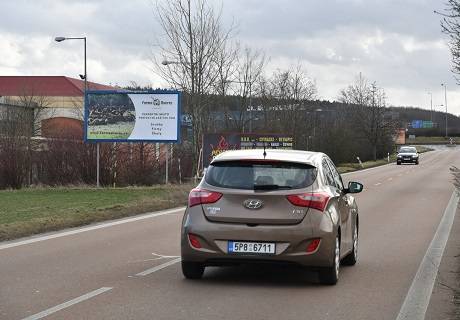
(368, 107)
(249, 68)
(15, 130)
(292, 89)
(450, 25)
(227, 67)
(21, 124)
(193, 41)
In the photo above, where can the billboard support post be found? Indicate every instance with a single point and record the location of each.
(167, 162)
(180, 172)
(97, 165)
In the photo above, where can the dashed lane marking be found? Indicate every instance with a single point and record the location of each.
(67, 304)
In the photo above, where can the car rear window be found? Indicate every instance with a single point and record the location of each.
(407, 150)
(260, 175)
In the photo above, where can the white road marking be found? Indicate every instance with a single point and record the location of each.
(417, 299)
(158, 257)
(389, 179)
(158, 268)
(67, 304)
(364, 170)
(91, 228)
(163, 256)
(377, 184)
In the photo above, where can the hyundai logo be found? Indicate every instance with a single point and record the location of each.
(253, 204)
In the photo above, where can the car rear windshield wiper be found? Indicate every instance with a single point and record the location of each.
(270, 187)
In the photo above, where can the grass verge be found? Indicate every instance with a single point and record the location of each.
(31, 211)
(429, 140)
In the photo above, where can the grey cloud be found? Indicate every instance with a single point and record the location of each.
(328, 36)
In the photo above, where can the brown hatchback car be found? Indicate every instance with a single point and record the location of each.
(276, 206)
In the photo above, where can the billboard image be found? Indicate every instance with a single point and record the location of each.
(215, 143)
(132, 116)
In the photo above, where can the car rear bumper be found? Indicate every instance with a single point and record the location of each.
(413, 160)
(291, 240)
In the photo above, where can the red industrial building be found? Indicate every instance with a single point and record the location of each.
(59, 99)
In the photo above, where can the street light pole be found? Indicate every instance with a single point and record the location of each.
(445, 102)
(431, 106)
(60, 39)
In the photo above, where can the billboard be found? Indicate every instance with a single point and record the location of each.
(215, 143)
(129, 116)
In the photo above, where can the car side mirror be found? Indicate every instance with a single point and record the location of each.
(354, 187)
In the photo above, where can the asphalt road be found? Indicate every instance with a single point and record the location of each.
(109, 272)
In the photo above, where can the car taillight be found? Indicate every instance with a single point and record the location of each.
(314, 244)
(310, 200)
(200, 196)
(194, 241)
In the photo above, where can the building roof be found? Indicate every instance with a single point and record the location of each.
(48, 86)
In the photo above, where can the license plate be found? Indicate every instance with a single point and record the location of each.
(251, 247)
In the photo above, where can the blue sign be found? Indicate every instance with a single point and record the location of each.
(417, 124)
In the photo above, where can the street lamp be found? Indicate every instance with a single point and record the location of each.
(166, 63)
(85, 76)
(314, 126)
(431, 106)
(445, 101)
(60, 39)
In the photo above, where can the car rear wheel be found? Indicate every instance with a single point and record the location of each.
(352, 257)
(398, 163)
(330, 275)
(192, 270)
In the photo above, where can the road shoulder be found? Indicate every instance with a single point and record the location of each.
(445, 298)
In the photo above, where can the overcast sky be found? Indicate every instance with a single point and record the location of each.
(397, 43)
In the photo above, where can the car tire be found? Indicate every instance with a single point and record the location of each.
(330, 275)
(416, 162)
(398, 163)
(192, 270)
(352, 257)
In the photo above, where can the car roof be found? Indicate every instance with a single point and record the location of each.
(408, 147)
(299, 156)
